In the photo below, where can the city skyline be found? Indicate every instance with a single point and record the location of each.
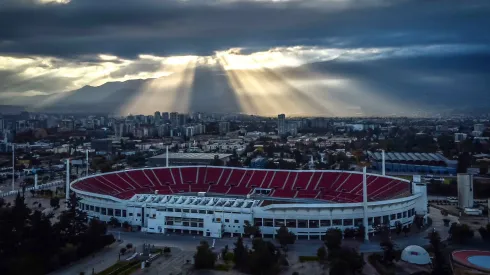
(304, 58)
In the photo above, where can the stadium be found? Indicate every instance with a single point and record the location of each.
(217, 201)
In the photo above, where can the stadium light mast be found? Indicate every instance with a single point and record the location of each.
(383, 162)
(364, 204)
(35, 180)
(166, 157)
(13, 167)
(67, 192)
(86, 162)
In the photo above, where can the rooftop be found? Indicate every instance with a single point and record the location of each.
(193, 201)
(205, 156)
(402, 156)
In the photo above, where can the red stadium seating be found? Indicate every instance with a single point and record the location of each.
(334, 186)
(302, 180)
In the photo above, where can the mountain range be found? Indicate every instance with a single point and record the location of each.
(377, 87)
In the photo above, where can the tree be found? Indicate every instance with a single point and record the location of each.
(73, 221)
(389, 254)
(30, 244)
(224, 251)
(439, 265)
(333, 239)
(113, 221)
(204, 257)
(321, 253)
(464, 161)
(398, 227)
(460, 233)
(250, 230)
(285, 237)
(339, 267)
(485, 232)
(216, 161)
(360, 231)
(28, 182)
(125, 225)
(234, 160)
(346, 261)
(483, 167)
(240, 257)
(264, 258)
(406, 230)
(123, 250)
(54, 202)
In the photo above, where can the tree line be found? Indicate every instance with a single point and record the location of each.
(31, 244)
(265, 258)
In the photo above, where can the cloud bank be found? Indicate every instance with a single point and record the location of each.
(322, 57)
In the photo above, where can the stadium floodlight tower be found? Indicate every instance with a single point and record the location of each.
(67, 190)
(35, 180)
(364, 204)
(166, 157)
(86, 163)
(383, 167)
(13, 167)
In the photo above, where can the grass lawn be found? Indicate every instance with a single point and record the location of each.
(122, 266)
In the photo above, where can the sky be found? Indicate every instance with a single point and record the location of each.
(298, 57)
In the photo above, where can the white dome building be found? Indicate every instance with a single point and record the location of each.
(415, 254)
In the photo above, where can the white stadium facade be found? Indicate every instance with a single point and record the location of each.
(216, 201)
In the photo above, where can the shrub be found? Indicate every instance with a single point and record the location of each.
(349, 233)
(303, 259)
(125, 225)
(123, 250)
(129, 246)
(222, 267)
(166, 249)
(229, 257)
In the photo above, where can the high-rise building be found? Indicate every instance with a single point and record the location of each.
(458, 137)
(182, 119)
(67, 125)
(165, 117)
(479, 127)
(281, 124)
(163, 130)
(292, 128)
(189, 131)
(224, 127)
(173, 119)
(158, 118)
(119, 130)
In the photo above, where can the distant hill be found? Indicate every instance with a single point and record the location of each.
(107, 98)
(11, 109)
(398, 85)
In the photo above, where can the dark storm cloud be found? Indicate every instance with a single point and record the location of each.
(433, 83)
(408, 74)
(128, 28)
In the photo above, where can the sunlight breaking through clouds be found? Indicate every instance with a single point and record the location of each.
(53, 1)
(262, 82)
